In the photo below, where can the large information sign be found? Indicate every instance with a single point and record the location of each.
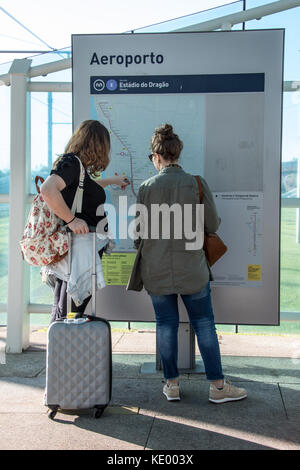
(222, 93)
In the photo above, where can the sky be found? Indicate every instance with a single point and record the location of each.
(53, 23)
(56, 20)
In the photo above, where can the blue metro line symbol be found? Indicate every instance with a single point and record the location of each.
(112, 85)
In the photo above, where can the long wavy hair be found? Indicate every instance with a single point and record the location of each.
(91, 143)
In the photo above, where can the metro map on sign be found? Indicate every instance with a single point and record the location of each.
(131, 121)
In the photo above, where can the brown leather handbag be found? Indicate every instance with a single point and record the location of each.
(213, 246)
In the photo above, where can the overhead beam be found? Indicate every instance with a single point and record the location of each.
(63, 87)
(242, 16)
(41, 70)
(224, 22)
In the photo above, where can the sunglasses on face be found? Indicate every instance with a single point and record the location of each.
(151, 157)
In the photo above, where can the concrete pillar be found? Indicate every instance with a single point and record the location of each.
(18, 273)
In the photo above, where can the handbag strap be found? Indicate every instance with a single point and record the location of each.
(77, 202)
(200, 188)
(36, 180)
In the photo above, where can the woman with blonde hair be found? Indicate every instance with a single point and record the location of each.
(89, 146)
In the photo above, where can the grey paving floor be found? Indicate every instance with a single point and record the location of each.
(139, 416)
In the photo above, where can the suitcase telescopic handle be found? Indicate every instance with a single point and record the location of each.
(92, 229)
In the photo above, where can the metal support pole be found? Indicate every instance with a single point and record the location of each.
(50, 129)
(186, 354)
(186, 348)
(297, 211)
(18, 286)
(244, 9)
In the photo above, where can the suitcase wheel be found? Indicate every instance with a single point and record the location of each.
(98, 412)
(52, 413)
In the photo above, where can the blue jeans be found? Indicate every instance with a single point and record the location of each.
(201, 316)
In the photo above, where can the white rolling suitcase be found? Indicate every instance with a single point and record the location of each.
(79, 360)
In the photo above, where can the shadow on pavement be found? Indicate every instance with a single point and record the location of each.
(139, 414)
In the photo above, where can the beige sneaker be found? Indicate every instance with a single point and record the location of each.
(228, 393)
(171, 391)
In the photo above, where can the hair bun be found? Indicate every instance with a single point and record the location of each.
(166, 143)
(165, 130)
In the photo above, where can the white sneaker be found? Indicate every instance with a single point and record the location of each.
(171, 391)
(228, 393)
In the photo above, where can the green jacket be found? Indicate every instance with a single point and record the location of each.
(165, 266)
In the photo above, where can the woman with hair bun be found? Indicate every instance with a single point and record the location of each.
(166, 268)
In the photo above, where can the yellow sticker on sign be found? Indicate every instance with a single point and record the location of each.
(117, 268)
(254, 272)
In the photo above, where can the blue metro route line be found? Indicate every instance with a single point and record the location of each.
(106, 115)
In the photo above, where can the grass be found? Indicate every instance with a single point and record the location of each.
(289, 286)
(290, 263)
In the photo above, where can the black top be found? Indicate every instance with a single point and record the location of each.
(68, 168)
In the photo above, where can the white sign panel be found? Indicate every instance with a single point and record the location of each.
(242, 264)
(222, 93)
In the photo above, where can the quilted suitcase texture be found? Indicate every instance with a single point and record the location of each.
(78, 369)
(79, 363)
